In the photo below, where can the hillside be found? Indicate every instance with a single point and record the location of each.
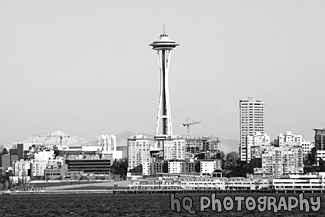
(228, 145)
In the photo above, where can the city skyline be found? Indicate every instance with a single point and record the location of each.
(85, 68)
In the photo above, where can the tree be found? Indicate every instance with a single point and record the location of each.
(165, 167)
(232, 158)
(312, 156)
(197, 167)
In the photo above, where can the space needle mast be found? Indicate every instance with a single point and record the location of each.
(164, 46)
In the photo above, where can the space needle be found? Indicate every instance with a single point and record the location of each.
(164, 46)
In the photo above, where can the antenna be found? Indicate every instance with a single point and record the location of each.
(164, 30)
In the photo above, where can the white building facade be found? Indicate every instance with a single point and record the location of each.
(174, 149)
(207, 167)
(176, 166)
(138, 151)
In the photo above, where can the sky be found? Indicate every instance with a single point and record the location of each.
(86, 68)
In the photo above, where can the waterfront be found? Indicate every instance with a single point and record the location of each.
(122, 205)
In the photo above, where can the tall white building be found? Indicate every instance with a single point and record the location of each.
(251, 121)
(138, 151)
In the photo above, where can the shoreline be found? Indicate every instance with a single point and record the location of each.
(88, 191)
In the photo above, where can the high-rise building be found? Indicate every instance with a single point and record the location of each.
(138, 151)
(20, 151)
(251, 121)
(164, 47)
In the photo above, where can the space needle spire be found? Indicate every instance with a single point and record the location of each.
(164, 46)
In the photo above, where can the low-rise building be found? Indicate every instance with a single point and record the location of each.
(208, 166)
(176, 166)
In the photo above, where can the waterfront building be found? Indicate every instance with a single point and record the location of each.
(138, 151)
(251, 121)
(306, 182)
(201, 183)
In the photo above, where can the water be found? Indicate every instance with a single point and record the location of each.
(117, 205)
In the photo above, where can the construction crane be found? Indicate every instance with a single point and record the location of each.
(188, 124)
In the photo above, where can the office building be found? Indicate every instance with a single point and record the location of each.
(90, 165)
